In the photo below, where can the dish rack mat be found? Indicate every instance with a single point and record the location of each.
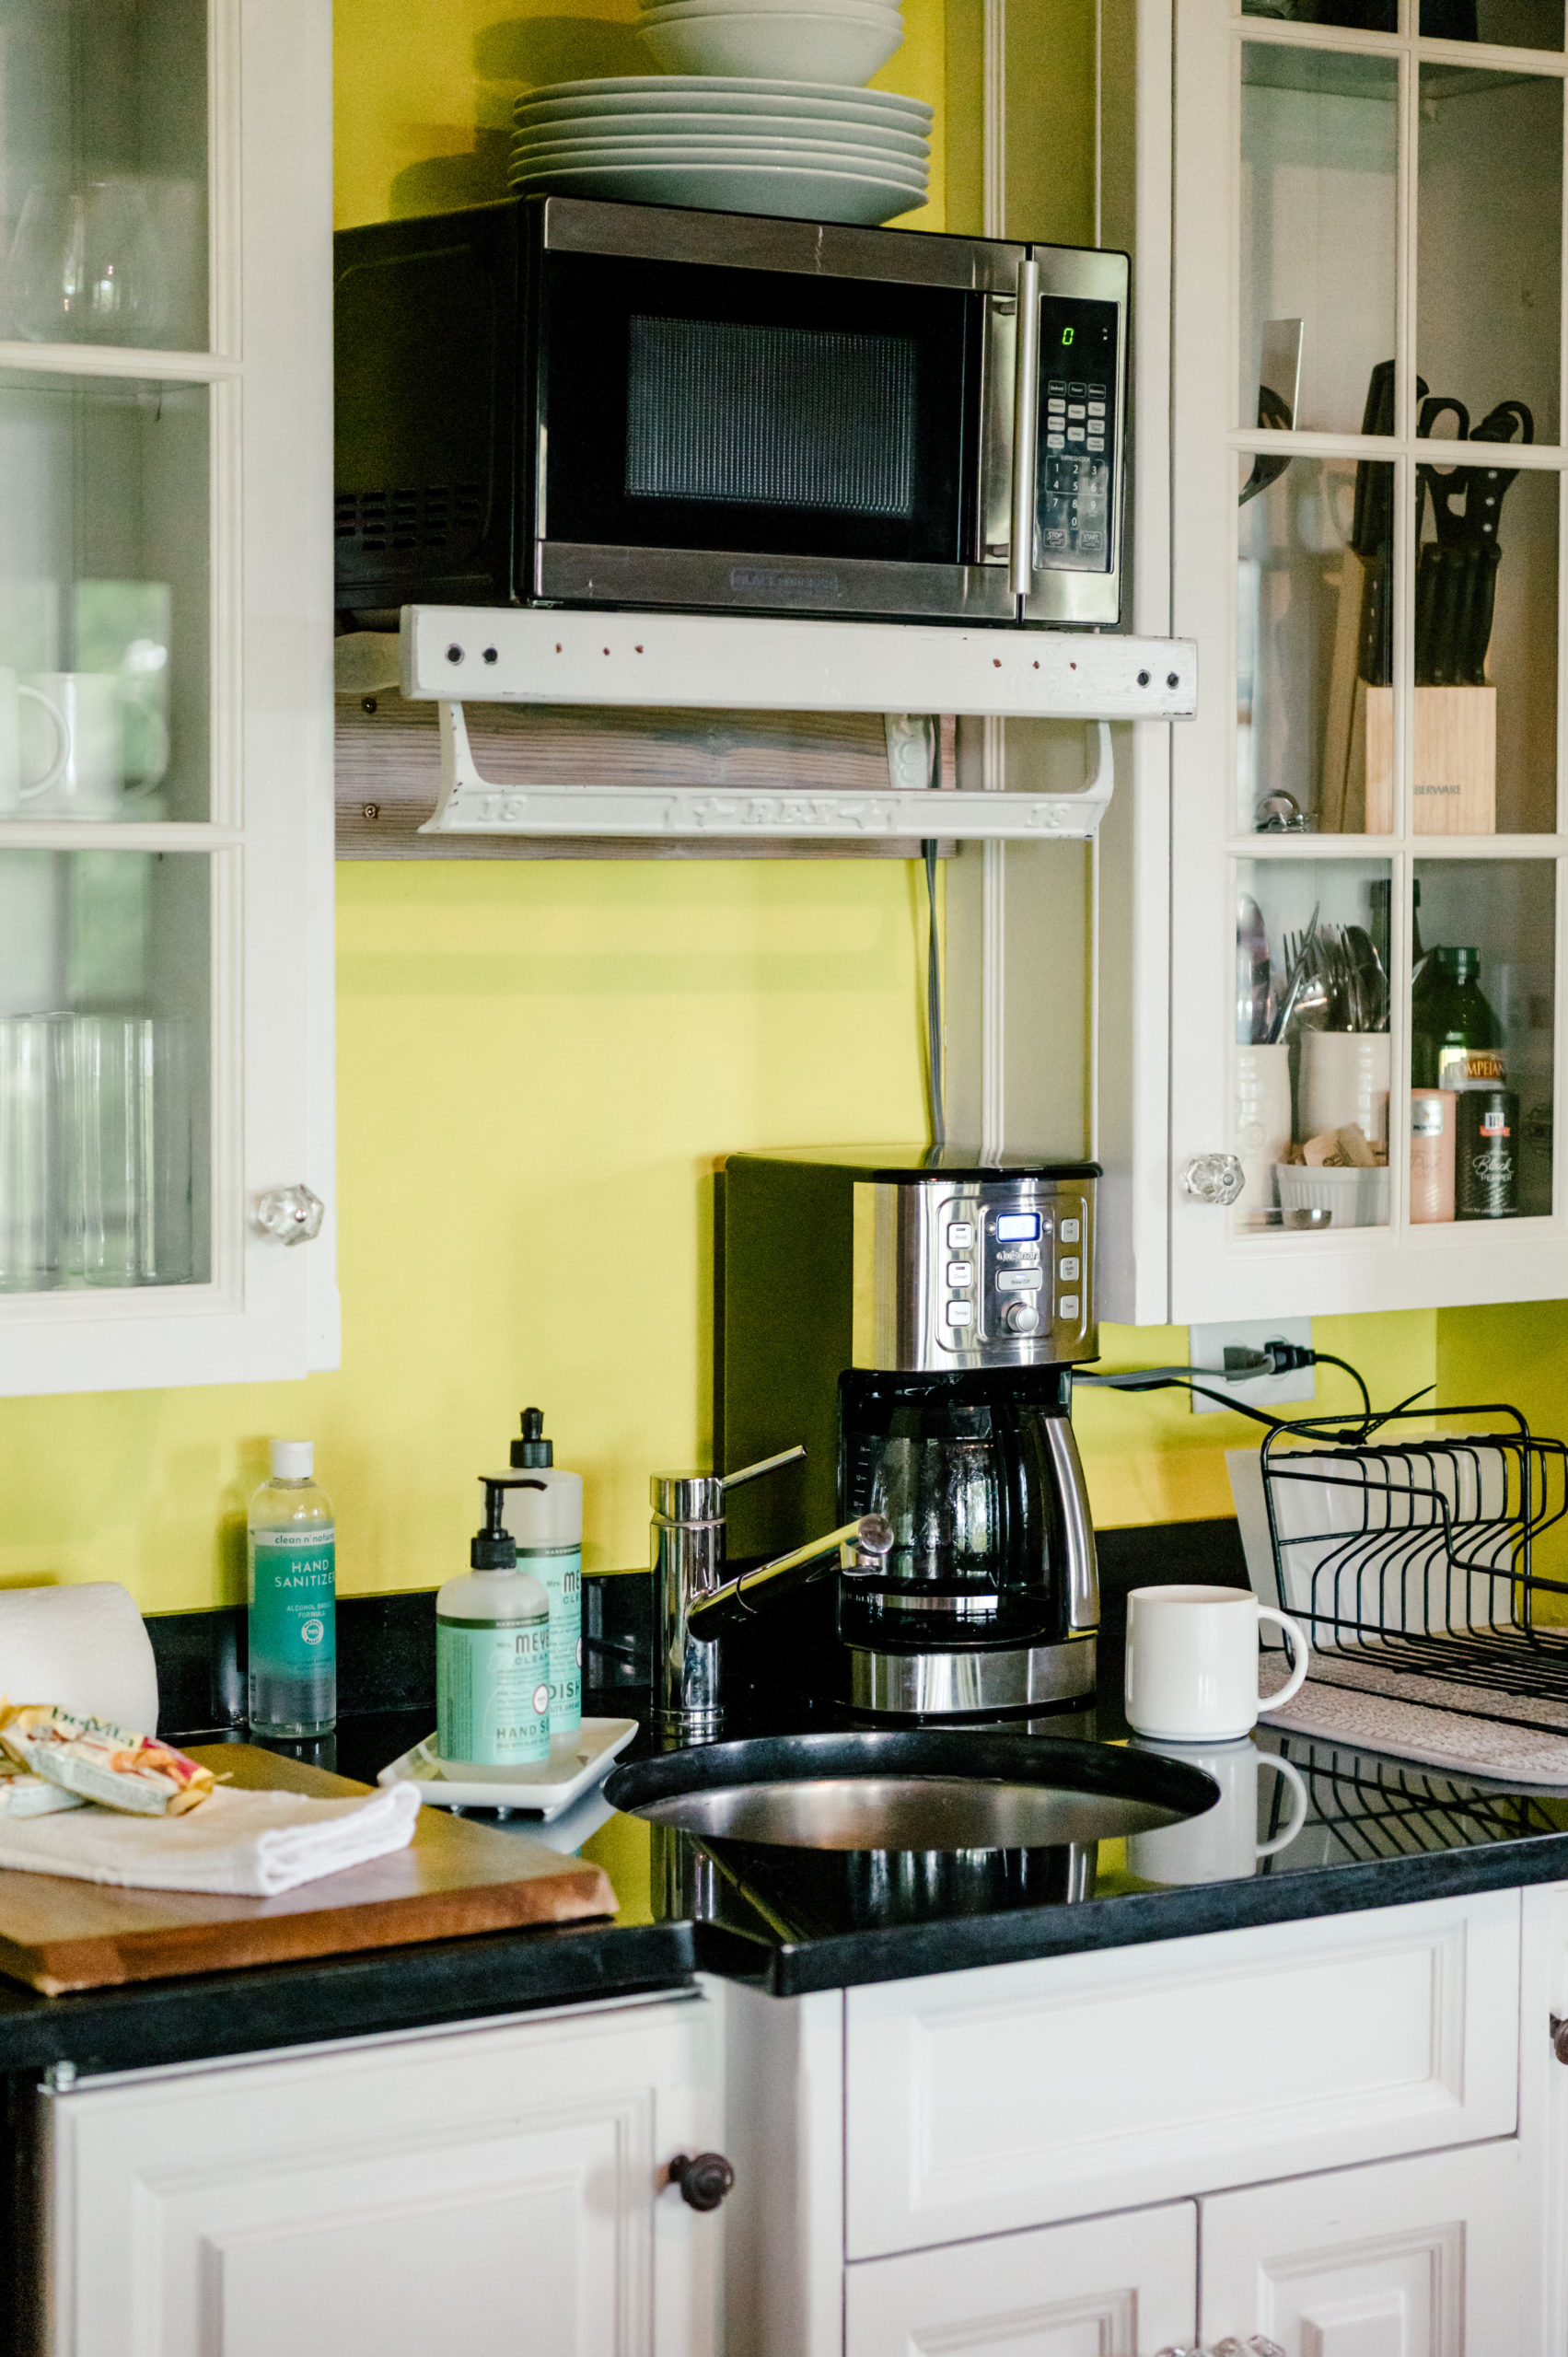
(1420, 1548)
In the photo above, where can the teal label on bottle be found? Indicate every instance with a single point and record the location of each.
(492, 1692)
(560, 1570)
(293, 1580)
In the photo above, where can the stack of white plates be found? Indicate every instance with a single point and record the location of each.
(809, 151)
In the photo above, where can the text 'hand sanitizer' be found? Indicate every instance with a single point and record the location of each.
(492, 1657)
(544, 1513)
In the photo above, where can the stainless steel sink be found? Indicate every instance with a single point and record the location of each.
(937, 1789)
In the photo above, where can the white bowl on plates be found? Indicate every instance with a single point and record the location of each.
(837, 129)
(842, 49)
(718, 93)
(787, 192)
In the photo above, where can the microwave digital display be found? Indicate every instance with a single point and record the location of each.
(771, 416)
(1076, 468)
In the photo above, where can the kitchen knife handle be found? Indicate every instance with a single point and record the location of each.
(1026, 430)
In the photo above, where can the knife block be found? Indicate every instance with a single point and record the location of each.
(1455, 760)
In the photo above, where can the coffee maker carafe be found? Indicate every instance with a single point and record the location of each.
(914, 1320)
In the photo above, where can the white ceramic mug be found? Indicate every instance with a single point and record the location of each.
(1193, 1662)
(1222, 1844)
(46, 760)
(91, 780)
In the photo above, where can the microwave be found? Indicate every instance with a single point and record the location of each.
(559, 401)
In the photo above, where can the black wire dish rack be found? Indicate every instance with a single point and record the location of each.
(1417, 1551)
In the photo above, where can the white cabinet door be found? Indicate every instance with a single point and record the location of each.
(1421, 2257)
(1109, 2287)
(166, 625)
(1543, 2109)
(980, 2101)
(494, 2189)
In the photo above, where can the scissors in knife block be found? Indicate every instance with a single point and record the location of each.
(1456, 574)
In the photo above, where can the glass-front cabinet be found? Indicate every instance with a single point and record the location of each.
(1366, 533)
(165, 698)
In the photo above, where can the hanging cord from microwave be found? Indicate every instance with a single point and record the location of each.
(933, 966)
(1244, 1367)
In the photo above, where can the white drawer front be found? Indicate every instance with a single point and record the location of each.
(1104, 2287)
(981, 2101)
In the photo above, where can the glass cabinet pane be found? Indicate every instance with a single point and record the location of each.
(1510, 24)
(1319, 161)
(103, 166)
(1314, 645)
(104, 1069)
(1310, 1100)
(103, 600)
(1358, 15)
(1489, 251)
(1481, 1039)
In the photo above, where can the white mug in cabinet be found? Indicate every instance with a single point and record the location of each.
(1193, 1662)
(24, 779)
(89, 782)
(1344, 1079)
(1263, 1124)
(1221, 1844)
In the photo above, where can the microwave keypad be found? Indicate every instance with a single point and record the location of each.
(1076, 461)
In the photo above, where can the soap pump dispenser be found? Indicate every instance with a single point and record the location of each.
(492, 1655)
(544, 1513)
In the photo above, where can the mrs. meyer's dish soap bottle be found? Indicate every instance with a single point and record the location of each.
(544, 1515)
(492, 1657)
(292, 1581)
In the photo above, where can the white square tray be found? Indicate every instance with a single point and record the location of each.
(541, 1791)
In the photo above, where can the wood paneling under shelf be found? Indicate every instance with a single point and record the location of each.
(388, 766)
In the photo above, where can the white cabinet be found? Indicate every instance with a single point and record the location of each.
(165, 1043)
(1107, 2287)
(1411, 2258)
(501, 2188)
(1347, 236)
(979, 2101)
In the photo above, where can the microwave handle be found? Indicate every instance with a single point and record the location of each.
(1026, 429)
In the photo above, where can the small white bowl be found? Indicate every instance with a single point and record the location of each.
(835, 49)
(1352, 1198)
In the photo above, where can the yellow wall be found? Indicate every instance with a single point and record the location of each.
(538, 1063)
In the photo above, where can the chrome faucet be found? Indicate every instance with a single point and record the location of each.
(694, 1602)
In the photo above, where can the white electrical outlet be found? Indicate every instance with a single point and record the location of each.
(1206, 1347)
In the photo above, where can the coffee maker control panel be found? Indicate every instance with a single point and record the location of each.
(981, 1274)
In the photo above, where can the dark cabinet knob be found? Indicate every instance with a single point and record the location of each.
(1560, 2038)
(704, 2181)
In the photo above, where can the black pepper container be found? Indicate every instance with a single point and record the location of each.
(1486, 1156)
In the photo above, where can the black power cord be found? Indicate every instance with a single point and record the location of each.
(1277, 1357)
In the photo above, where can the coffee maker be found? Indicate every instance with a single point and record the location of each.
(913, 1319)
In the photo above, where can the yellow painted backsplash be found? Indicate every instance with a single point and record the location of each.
(539, 1065)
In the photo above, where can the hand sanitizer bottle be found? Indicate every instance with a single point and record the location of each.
(492, 1657)
(292, 1583)
(544, 1515)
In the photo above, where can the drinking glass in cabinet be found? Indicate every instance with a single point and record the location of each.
(103, 1070)
(104, 594)
(1481, 1039)
(1320, 177)
(103, 126)
(1314, 592)
(1489, 237)
(1310, 1106)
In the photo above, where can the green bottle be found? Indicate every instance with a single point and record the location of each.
(1456, 1039)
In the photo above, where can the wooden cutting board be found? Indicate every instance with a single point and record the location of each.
(454, 1878)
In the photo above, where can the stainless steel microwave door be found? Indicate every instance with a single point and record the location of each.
(760, 438)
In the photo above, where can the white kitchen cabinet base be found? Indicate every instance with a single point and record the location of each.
(492, 2189)
(1107, 2287)
(1410, 2258)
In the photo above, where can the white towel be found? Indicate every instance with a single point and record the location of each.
(245, 1845)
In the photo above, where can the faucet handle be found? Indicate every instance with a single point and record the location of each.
(763, 1465)
(870, 1548)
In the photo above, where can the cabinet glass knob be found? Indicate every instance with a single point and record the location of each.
(1560, 2038)
(1216, 1178)
(295, 1214)
(704, 2181)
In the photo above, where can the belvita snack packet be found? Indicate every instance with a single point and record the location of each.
(22, 1794)
(100, 1762)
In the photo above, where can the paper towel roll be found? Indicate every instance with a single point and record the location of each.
(85, 1648)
